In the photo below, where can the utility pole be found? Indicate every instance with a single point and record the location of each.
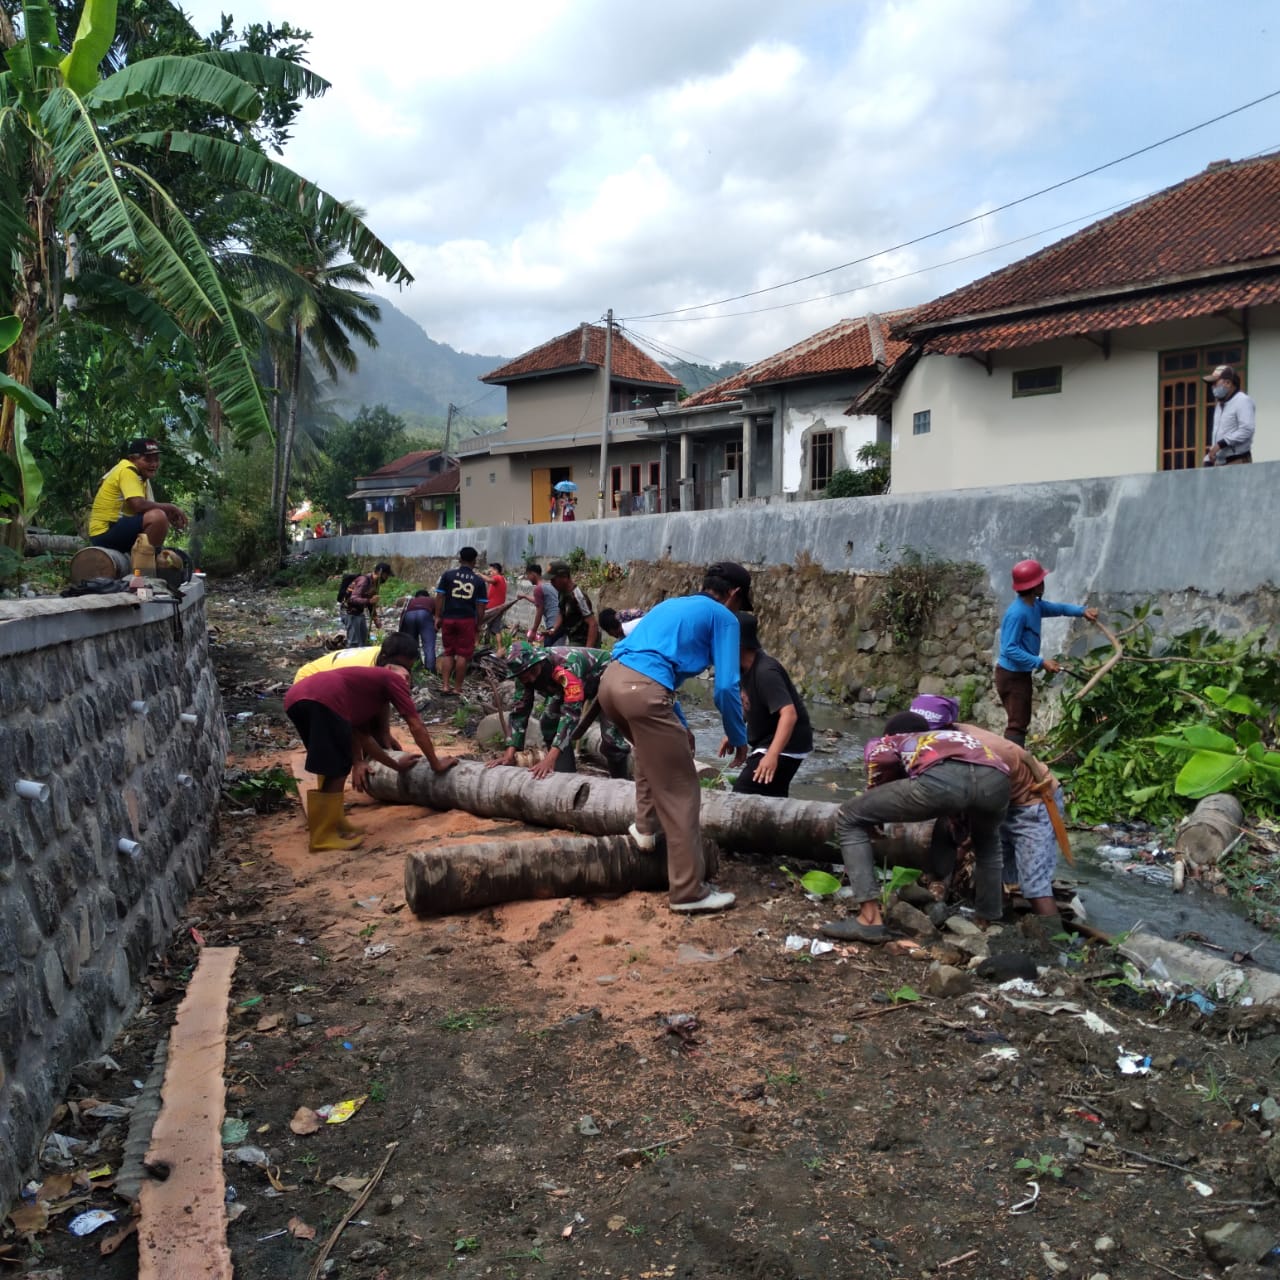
(448, 431)
(604, 420)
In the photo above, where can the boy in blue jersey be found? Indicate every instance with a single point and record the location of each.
(1020, 645)
(677, 639)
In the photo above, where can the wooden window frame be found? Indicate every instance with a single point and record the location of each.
(1052, 390)
(826, 440)
(1193, 364)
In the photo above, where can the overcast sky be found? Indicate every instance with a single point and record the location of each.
(537, 163)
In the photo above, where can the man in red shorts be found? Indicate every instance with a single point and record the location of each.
(461, 600)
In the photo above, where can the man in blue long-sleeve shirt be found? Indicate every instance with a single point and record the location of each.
(677, 639)
(1020, 645)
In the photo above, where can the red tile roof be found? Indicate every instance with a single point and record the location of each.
(1228, 216)
(405, 463)
(1116, 313)
(845, 347)
(444, 483)
(583, 348)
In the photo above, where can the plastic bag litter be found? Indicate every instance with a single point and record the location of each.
(87, 1223)
(685, 954)
(1229, 984)
(341, 1112)
(795, 942)
(1201, 1002)
(1133, 1064)
(249, 1155)
(1020, 986)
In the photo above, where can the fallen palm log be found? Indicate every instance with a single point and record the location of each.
(463, 877)
(605, 807)
(1212, 827)
(38, 542)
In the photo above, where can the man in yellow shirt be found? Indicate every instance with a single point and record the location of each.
(125, 506)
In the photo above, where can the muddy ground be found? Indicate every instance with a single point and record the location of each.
(806, 1119)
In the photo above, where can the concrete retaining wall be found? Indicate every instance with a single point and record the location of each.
(80, 920)
(1206, 542)
(1205, 545)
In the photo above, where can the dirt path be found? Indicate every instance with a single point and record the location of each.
(576, 1093)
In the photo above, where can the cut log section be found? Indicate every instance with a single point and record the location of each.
(183, 1227)
(98, 562)
(604, 806)
(463, 877)
(1213, 826)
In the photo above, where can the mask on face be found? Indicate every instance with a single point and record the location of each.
(1221, 392)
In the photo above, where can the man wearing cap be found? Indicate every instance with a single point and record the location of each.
(125, 506)
(1020, 645)
(1233, 420)
(578, 624)
(1027, 835)
(778, 728)
(677, 639)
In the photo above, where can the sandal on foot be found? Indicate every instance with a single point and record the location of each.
(855, 931)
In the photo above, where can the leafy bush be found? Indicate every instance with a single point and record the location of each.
(912, 588)
(1175, 716)
(872, 478)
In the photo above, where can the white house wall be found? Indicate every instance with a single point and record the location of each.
(1104, 422)
(800, 416)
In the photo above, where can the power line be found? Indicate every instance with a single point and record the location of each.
(964, 222)
(905, 275)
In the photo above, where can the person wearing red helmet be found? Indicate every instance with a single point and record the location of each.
(1020, 645)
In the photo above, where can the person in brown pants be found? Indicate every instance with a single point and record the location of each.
(677, 639)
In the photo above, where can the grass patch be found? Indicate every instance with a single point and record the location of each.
(468, 1019)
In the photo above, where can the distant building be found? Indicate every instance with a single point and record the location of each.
(779, 426)
(416, 491)
(556, 396)
(1087, 358)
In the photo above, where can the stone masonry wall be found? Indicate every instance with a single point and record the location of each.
(80, 920)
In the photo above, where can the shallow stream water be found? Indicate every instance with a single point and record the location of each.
(1115, 899)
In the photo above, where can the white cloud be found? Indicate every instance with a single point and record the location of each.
(535, 164)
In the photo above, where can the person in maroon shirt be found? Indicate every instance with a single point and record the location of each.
(341, 715)
(915, 773)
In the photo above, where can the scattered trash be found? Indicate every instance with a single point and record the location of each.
(234, 1131)
(305, 1121)
(109, 1111)
(1097, 1024)
(1200, 1188)
(977, 1010)
(1051, 1259)
(250, 1003)
(795, 942)
(685, 954)
(1230, 984)
(588, 1127)
(819, 947)
(1022, 987)
(1006, 1053)
(232, 1195)
(1133, 1064)
(250, 1155)
(352, 1185)
(85, 1224)
(1203, 1003)
(341, 1112)
(58, 1150)
(1079, 1113)
(375, 950)
(299, 1230)
(1025, 1206)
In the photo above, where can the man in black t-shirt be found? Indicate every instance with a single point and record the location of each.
(778, 728)
(461, 598)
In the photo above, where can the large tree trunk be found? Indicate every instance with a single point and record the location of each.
(275, 427)
(602, 806)
(52, 544)
(290, 431)
(797, 829)
(22, 354)
(464, 877)
(1212, 827)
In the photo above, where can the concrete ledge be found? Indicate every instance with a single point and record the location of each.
(27, 625)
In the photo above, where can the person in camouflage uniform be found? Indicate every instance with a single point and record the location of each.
(567, 678)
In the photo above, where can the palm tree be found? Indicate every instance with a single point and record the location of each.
(73, 173)
(310, 297)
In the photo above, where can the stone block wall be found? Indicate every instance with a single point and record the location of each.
(79, 919)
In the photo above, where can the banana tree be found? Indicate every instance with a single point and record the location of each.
(21, 481)
(72, 183)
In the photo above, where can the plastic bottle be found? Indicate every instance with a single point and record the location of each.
(137, 582)
(143, 557)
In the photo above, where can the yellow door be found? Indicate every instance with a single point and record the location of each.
(540, 495)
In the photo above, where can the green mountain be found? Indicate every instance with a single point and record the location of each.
(693, 377)
(418, 378)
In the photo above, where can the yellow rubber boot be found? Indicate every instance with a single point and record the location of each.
(324, 809)
(345, 826)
